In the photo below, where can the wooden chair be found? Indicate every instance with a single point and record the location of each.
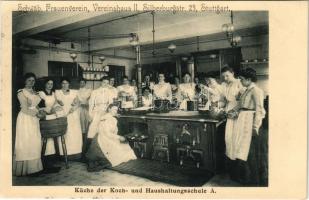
(160, 147)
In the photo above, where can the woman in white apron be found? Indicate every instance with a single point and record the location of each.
(127, 94)
(83, 97)
(68, 99)
(28, 142)
(48, 103)
(99, 101)
(231, 89)
(113, 89)
(107, 149)
(248, 114)
(187, 91)
(162, 90)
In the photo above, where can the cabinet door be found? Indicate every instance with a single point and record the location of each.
(208, 146)
(191, 128)
(202, 139)
(161, 127)
(231, 57)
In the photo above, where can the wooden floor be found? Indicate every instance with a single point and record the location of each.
(77, 175)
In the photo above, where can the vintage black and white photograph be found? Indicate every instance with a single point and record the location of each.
(159, 97)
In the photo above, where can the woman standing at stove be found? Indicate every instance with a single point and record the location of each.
(231, 88)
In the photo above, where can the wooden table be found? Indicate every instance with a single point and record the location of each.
(207, 133)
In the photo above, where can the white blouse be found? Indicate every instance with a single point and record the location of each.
(163, 91)
(114, 92)
(187, 90)
(253, 99)
(147, 101)
(99, 100)
(50, 100)
(128, 90)
(231, 92)
(84, 95)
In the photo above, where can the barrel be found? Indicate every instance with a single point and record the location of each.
(53, 128)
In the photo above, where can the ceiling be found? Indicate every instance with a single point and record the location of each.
(180, 27)
(126, 22)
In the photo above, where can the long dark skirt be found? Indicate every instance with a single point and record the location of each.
(95, 158)
(254, 171)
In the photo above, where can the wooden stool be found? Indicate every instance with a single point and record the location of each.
(53, 129)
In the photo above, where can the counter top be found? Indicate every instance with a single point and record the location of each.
(194, 116)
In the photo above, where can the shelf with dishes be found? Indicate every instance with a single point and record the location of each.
(259, 71)
(94, 74)
(259, 65)
(254, 61)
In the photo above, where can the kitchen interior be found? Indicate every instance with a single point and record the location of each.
(136, 44)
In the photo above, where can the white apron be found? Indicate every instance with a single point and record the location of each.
(83, 96)
(229, 133)
(99, 101)
(230, 92)
(49, 103)
(73, 136)
(28, 142)
(243, 135)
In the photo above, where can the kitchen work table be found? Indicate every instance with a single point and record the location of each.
(179, 137)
